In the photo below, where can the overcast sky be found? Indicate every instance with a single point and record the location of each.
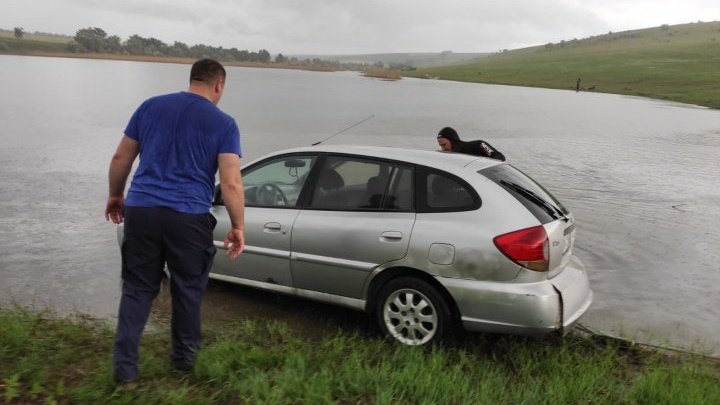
(354, 26)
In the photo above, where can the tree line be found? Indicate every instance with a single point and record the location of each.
(94, 39)
(97, 40)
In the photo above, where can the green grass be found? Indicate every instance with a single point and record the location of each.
(678, 63)
(64, 39)
(29, 45)
(68, 360)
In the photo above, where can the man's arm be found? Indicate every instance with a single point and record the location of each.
(233, 195)
(490, 151)
(120, 166)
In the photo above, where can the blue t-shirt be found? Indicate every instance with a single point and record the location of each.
(180, 136)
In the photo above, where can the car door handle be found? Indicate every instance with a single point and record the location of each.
(391, 236)
(273, 227)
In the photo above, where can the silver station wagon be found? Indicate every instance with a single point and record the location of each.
(422, 240)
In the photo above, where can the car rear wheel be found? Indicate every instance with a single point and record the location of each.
(412, 312)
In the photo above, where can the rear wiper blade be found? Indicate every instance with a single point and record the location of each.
(547, 207)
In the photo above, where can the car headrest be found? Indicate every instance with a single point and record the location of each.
(374, 186)
(330, 179)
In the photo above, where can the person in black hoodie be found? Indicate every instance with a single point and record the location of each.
(449, 140)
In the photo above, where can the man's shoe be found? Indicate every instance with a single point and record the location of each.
(126, 385)
(182, 366)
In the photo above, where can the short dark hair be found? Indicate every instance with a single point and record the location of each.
(207, 70)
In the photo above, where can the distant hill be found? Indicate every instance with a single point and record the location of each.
(418, 60)
(672, 62)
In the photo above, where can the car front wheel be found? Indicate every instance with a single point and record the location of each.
(412, 312)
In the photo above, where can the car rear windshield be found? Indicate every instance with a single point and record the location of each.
(529, 193)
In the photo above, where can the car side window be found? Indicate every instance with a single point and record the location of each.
(278, 182)
(351, 183)
(445, 193)
(400, 194)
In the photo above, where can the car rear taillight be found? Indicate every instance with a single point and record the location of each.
(526, 247)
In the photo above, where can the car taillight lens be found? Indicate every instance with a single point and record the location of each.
(526, 247)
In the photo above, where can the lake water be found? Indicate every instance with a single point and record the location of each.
(639, 175)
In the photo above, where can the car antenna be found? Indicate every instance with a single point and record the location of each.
(340, 132)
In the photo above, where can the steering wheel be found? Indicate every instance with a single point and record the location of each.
(270, 194)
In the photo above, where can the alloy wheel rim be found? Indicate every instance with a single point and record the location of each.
(410, 317)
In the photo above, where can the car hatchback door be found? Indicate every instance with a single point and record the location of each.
(359, 215)
(272, 189)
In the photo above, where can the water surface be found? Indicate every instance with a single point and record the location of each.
(638, 174)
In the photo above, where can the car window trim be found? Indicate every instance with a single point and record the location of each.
(306, 193)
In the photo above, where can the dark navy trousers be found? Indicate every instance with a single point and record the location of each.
(154, 237)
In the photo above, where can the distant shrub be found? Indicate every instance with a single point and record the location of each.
(664, 27)
(75, 47)
(383, 74)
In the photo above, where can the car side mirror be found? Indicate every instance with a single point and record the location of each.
(217, 196)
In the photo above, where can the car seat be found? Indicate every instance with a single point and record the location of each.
(327, 192)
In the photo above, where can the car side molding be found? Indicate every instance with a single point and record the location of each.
(352, 303)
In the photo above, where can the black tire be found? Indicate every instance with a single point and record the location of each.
(412, 312)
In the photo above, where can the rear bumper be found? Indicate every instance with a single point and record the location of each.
(523, 308)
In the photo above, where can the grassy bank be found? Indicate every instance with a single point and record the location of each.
(155, 59)
(678, 62)
(385, 74)
(30, 45)
(49, 46)
(45, 360)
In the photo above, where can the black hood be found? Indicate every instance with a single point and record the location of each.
(452, 136)
(449, 134)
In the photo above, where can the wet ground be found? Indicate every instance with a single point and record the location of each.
(639, 176)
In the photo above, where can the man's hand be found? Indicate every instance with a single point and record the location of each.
(233, 195)
(120, 167)
(114, 209)
(236, 240)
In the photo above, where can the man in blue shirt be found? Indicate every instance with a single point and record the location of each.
(182, 139)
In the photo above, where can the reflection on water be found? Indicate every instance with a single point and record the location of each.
(638, 174)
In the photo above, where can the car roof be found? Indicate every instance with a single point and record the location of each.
(432, 158)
